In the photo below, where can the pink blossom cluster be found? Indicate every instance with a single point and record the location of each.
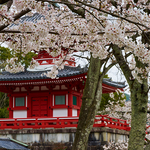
(120, 145)
(59, 64)
(103, 23)
(13, 66)
(122, 112)
(5, 16)
(33, 64)
(120, 109)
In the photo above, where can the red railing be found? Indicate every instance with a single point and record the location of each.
(106, 121)
(62, 122)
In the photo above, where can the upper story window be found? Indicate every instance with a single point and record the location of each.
(19, 101)
(60, 100)
(74, 100)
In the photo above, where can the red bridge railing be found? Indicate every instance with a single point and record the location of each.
(106, 121)
(61, 122)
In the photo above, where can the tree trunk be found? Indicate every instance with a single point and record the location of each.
(90, 103)
(139, 100)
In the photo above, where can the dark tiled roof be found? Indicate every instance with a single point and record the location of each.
(28, 75)
(33, 19)
(66, 72)
(8, 144)
(113, 83)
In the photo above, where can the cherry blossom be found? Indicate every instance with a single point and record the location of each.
(13, 66)
(59, 27)
(123, 112)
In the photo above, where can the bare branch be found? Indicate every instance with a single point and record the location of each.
(124, 67)
(54, 32)
(17, 16)
(127, 55)
(106, 69)
(112, 14)
(82, 57)
(3, 1)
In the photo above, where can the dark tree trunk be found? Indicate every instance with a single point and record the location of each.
(90, 103)
(139, 100)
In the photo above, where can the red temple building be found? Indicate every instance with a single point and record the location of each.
(32, 95)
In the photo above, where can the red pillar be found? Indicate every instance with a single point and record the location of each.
(50, 110)
(10, 106)
(29, 104)
(70, 104)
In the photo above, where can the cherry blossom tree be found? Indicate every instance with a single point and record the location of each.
(112, 31)
(117, 110)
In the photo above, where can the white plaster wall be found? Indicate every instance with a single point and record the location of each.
(74, 112)
(20, 114)
(60, 112)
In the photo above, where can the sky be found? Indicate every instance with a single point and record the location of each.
(113, 73)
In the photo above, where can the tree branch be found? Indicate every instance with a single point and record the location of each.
(112, 14)
(79, 11)
(17, 16)
(82, 57)
(121, 61)
(106, 69)
(3, 1)
(127, 55)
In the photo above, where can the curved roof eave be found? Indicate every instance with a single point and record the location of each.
(67, 72)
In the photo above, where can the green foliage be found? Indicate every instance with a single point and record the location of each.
(5, 54)
(118, 99)
(106, 76)
(24, 59)
(28, 58)
(4, 104)
(4, 113)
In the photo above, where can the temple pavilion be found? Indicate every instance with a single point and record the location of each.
(33, 95)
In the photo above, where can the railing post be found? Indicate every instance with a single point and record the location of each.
(2, 124)
(15, 123)
(103, 123)
(36, 122)
(62, 123)
(57, 123)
